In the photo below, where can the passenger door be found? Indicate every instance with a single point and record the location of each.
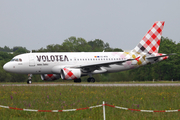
(31, 61)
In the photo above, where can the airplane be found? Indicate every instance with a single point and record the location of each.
(73, 65)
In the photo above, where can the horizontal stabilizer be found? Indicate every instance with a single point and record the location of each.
(156, 57)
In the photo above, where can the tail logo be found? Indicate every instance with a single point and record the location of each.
(151, 41)
(137, 59)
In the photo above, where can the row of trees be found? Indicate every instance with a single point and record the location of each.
(74, 44)
(165, 70)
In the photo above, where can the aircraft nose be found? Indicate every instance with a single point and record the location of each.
(7, 67)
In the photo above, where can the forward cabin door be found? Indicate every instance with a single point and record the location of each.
(31, 61)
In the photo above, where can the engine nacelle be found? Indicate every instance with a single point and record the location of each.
(70, 74)
(50, 77)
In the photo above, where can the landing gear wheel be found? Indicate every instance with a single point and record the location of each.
(29, 82)
(77, 80)
(91, 79)
(29, 79)
(88, 80)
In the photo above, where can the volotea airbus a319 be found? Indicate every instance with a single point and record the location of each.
(72, 66)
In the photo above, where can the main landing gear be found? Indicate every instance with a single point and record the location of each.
(91, 79)
(77, 80)
(29, 79)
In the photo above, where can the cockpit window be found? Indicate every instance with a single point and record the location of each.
(17, 59)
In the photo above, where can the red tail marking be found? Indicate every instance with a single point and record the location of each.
(137, 58)
(151, 41)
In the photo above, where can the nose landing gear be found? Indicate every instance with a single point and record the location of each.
(29, 79)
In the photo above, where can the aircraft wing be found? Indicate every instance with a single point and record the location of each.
(96, 66)
(105, 63)
(156, 57)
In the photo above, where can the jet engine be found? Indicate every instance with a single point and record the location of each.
(50, 77)
(70, 74)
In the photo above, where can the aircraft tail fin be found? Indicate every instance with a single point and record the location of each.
(151, 41)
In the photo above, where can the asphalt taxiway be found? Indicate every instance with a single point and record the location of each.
(97, 85)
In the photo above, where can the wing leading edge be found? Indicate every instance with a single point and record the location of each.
(96, 66)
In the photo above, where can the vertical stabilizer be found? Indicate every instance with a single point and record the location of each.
(151, 41)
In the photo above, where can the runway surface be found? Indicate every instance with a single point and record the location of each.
(96, 85)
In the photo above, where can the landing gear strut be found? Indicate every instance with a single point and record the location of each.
(29, 79)
(91, 79)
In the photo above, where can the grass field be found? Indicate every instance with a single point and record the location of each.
(72, 97)
(110, 82)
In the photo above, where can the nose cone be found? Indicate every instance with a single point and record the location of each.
(7, 67)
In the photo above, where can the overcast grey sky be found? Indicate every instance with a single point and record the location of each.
(122, 23)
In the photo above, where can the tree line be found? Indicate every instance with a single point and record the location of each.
(164, 70)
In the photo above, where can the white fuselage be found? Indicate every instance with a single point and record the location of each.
(53, 62)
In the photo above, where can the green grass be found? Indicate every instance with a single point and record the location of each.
(69, 97)
(109, 82)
